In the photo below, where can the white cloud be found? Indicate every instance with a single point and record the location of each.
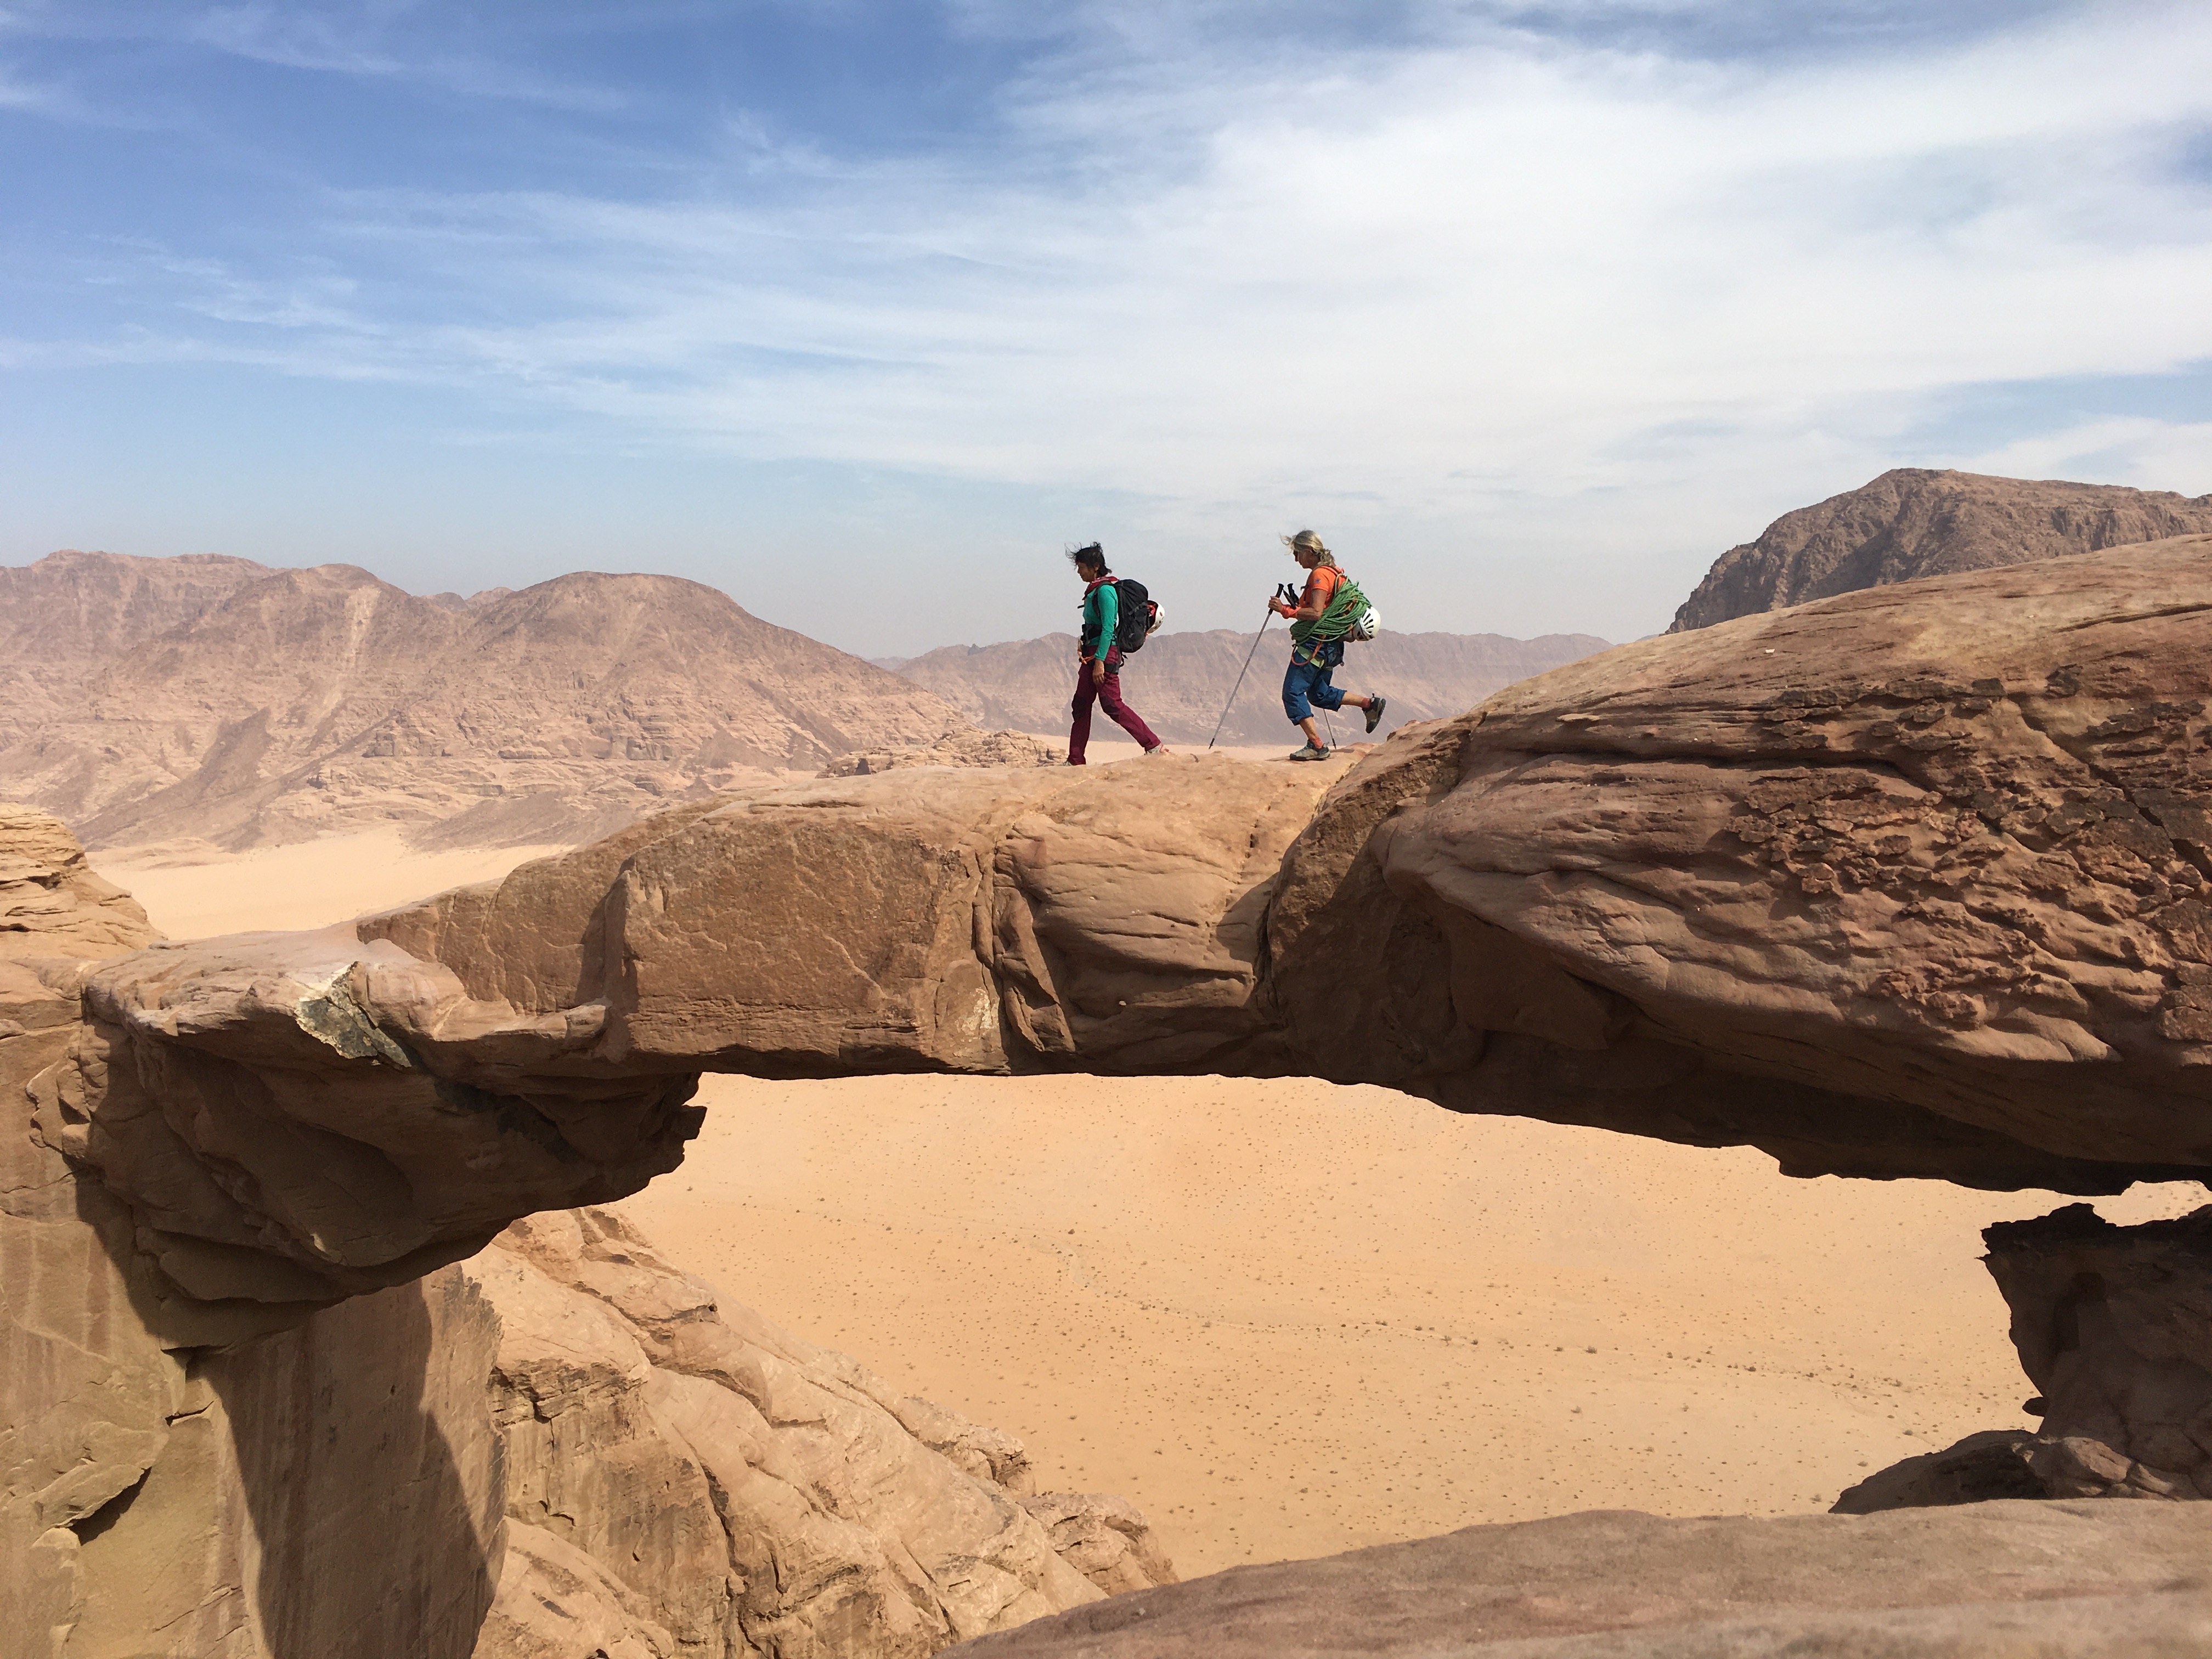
(1510, 285)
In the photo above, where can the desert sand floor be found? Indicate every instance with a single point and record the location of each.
(1288, 1319)
(194, 891)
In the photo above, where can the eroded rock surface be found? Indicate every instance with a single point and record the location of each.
(53, 903)
(563, 1446)
(1909, 882)
(1913, 522)
(1987, 1581)
(960, 748)
(2114, 1327)
(734, 1490)
(1925, 865)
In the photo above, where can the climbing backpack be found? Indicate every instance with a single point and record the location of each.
(1140, 617)
(1349, 616)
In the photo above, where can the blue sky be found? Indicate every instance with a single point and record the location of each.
(860, 310)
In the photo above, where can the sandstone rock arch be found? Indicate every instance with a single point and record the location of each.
(1907, 883)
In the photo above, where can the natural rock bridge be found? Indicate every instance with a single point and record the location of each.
(1908, 882)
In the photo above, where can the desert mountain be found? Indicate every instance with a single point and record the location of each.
(64, 616)
(150, 699)
(1913, 522)
(1182, 680)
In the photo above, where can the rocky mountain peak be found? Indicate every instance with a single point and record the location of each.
(1918, 521)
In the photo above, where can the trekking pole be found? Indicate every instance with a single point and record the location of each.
(1241, 672)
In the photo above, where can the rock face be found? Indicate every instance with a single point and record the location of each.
(1994, 1581)
(2114, 1327)
(63, 617)
(560, 1447)
(732, 1489)
(253, 1407)
(239, 704)
(53, 903)
(1912, 522)
(1182, 682)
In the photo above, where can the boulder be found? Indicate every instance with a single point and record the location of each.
(1984, 1581)
(2113, 1326)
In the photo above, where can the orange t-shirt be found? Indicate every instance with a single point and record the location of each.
(1321, 589)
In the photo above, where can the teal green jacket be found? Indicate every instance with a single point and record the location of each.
(1102, 614)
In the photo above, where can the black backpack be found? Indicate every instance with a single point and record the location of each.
(1139, 617)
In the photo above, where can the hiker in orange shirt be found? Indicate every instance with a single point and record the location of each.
(1313, 656)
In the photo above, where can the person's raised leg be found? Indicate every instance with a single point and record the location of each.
(1110, 699)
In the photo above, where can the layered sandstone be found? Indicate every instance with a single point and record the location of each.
(1182, 683)
(53, 903)
(226, 702)
(1913, 522)
(218, 1434)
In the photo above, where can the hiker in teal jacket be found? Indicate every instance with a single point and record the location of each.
(1098, 667)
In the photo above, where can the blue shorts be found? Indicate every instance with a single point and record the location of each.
(1306, 682)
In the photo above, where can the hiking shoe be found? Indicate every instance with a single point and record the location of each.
(1157, 748)
(1309, 753)
(1375, 707)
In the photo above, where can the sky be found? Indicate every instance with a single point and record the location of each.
(863, 312)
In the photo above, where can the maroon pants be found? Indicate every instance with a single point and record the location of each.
(1108, 694)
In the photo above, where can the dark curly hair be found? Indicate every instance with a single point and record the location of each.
(1088, 554)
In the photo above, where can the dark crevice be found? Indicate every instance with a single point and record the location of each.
(89, 1527)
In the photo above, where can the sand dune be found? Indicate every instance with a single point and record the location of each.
(1287, 1319)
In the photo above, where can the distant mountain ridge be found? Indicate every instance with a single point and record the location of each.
(143, 700)
(1182, 682)
(1915, 522)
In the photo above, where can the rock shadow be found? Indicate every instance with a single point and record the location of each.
(364, 1454)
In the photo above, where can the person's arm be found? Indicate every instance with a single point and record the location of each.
(1106, 605)
(1311, 604)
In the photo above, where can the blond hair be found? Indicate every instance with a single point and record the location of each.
(1306, 542)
